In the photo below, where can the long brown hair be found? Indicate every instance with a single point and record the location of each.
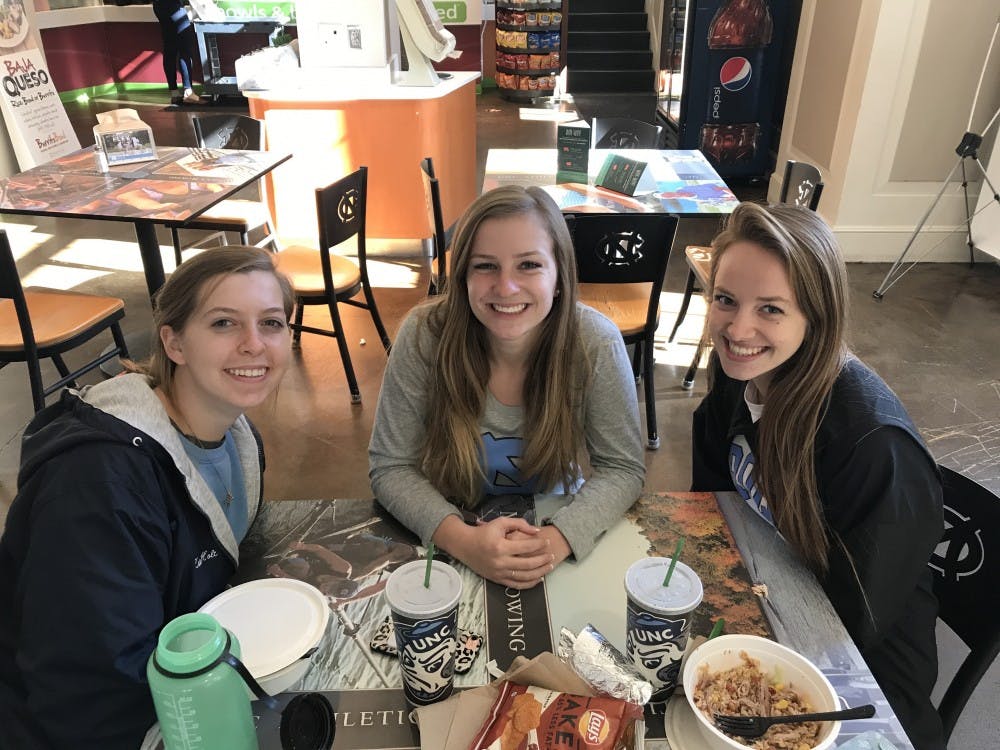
(194, 279)
(557, 368)
(799, 389)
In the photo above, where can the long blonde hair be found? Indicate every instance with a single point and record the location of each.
(798, 393)
(557, 367)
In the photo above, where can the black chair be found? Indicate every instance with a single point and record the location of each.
(621, 261)
(324, 278)
(965, 573)
(435, 217)
(624, 132)
(44, 323)
(233, 215)
(802, 185)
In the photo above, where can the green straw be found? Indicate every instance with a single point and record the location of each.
(673, 561)
(430, 561)
(717, 628)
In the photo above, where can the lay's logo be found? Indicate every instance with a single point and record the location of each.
(594, 726)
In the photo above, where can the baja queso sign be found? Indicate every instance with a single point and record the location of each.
(36, 120)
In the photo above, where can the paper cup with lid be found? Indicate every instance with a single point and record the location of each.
(426, 624)
(658, 620)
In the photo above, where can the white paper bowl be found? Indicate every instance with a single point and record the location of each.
(276, 621)
(280, 681)
(796, 671)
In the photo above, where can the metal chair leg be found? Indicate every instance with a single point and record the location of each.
(345, 353)
(376, 318)
(688, 290)
(688, 383)
(300, 310)
(653, 438)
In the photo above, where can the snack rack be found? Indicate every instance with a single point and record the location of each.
(529, 47)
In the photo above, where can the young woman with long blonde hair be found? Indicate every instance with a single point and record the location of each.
(502, 385)
(821, 447)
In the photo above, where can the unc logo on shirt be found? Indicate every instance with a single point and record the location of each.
(204, 557)
(502, 466)
(741, 463)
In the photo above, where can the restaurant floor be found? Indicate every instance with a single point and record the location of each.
(933, 338)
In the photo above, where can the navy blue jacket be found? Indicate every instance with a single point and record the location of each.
(881, 495)
(103, 545)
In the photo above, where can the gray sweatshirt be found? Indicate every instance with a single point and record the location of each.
(611, 423)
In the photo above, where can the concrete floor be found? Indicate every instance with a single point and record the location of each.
(933, 338)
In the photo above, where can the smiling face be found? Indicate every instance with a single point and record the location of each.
(512, 279)
(754, 319)
(232, 352)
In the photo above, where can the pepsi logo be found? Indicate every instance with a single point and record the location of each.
(735, 74)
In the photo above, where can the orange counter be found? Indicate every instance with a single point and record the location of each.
(389, 129)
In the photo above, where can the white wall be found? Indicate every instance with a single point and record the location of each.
(879, 97)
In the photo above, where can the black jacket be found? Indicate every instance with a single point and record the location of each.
(110, 537)
(882, 497)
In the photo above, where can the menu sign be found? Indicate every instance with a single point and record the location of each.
(36, 120)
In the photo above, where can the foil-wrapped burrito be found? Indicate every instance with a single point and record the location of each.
(603, 666)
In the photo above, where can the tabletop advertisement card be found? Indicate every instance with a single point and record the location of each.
(573, 143)
(620, 174)
(36, 121)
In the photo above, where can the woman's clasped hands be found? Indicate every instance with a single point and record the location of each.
(508, 551)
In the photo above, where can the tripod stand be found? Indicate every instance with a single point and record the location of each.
(968, 149)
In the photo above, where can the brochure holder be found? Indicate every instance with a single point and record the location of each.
(120, 137)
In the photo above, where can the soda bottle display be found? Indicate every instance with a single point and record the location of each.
(737, 37)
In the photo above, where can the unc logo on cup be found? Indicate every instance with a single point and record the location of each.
(655, 645)
(427, 656)
(735, 74)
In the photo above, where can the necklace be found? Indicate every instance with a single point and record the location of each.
(189, 434)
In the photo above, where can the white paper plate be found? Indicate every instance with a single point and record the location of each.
(681, 726)
(276, 620)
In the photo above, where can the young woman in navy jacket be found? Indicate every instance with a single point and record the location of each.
(821, 447)
(133, 496)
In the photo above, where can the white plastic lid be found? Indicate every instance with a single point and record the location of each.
(406, 594)
(644, 583)
(276, 620)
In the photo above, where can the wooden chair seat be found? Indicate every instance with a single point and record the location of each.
(625, 304)
(235, 215)
(303, 268)
(55, 317)
(47, 323)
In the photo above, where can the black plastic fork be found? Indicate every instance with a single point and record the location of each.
(755, 726)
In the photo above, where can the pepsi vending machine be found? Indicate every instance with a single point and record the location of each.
(732, 66)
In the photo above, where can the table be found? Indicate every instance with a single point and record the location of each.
(729, 546)
(178, 186)
(676, 181)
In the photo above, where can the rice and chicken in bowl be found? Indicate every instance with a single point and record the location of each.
(745, 690)
(777, 667)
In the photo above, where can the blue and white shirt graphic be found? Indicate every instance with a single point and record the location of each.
(741, 464)
(502, 466)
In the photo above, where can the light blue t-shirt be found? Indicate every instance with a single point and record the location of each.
(220, 467)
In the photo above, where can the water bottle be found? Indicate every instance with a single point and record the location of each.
(201, 700)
